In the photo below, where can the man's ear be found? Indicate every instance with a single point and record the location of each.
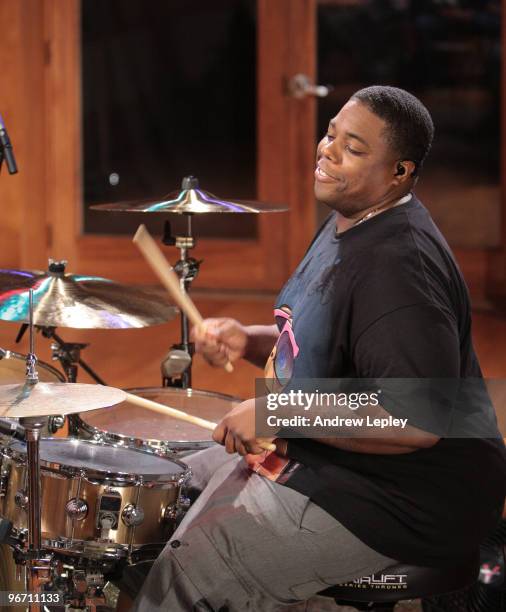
(404, 170)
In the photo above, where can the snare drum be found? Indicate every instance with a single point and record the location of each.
(131, 425)
(97, 500)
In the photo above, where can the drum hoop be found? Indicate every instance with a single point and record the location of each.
(98, 477)
(164, 445)
(6, 354)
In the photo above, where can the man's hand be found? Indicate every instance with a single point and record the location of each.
(236, 431)
(220, 340)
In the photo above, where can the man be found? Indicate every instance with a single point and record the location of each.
(378, 295)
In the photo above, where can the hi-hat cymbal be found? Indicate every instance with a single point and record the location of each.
(47, 399)
(81, 302)
(191, 200)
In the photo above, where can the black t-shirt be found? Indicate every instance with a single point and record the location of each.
(385, 299)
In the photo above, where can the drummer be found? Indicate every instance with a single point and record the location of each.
(377, 295)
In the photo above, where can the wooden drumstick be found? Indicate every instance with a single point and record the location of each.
(182, 416)
(169, 278)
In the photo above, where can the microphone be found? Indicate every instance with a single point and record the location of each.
(6, 149)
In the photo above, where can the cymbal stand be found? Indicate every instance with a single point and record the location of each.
(177, 364)
(67, 353)
(69, 356)
(37, 562)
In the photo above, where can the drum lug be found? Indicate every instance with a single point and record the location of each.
(5, 471)
(21, 499)
(98, 437)
(132, 515)
(54, 423)
(76, 509)
(173, 512)
(184, 503)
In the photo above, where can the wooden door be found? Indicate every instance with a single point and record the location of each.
(285, 142)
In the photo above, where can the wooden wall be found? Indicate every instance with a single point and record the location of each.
(23, 231)
(40, 207)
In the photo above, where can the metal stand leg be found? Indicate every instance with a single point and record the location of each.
(177, 365)
(38, 565)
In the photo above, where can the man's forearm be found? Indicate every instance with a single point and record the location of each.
(261, 339)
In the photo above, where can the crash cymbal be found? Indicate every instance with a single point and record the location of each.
(46, 399)
(81, 302)
(191, 200)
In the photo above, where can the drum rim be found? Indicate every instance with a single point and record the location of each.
(99, 477)
(161, 443)
(8, 354)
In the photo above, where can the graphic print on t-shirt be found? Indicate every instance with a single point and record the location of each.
(279, 366)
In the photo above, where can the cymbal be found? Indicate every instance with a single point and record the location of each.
(46, 399)
(81, 302)
(191, 200)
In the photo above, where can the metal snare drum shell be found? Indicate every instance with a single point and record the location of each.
(84, 471)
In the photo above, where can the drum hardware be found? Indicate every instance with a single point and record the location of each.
(132, 515)
(177, 365)
(76, 509)
(21, 499)
(174, 364)
(5, 471)
(108, 511)
(177, 288)
(174, 512)
(69, 356)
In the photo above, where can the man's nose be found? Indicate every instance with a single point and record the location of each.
(331, 151)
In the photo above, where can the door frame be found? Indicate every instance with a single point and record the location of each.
(286, 45)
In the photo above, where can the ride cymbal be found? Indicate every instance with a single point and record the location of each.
(81, 302)
(47, 399)
(191, 200)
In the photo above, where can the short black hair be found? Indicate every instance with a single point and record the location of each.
(410, 129)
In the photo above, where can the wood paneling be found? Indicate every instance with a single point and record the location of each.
(23, 232)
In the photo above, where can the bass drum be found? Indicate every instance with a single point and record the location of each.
(12, 371)
(131, 425)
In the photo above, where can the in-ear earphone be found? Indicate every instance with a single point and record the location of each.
(400, 170)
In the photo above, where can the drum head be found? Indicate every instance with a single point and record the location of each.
(13, 369)
(101, 461)
(134, 422)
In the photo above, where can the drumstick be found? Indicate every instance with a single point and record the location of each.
(182, 416)
(169, 278)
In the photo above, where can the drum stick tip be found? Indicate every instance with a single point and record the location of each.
(140, 231)
(229, 367)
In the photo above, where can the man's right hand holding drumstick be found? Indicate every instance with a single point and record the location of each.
(224, 339)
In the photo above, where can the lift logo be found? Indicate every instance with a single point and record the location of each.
(380, 581)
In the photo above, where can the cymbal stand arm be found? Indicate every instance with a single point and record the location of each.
(69, 355)
(187, 268)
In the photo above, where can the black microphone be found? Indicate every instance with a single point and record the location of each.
(6, 149)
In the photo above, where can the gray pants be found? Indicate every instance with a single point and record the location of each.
(248, 544)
